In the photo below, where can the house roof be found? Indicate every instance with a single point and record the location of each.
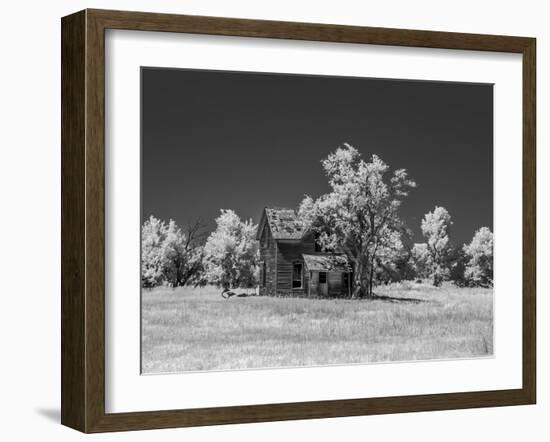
(283, 223)
(327, 262)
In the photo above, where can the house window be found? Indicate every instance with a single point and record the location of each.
(322, 277)
(297, 277)
(264, 274)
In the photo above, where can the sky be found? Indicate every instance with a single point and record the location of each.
(216, 140)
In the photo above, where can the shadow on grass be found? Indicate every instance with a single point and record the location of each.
(228, 295)
(396, 300)
(375, 297)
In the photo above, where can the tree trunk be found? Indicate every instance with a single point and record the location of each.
(356, 292)
(371, 279)
(360, 278)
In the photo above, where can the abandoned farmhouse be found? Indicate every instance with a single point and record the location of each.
(292, 263)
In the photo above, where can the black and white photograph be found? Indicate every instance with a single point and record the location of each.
(249, 221)
(307, 220)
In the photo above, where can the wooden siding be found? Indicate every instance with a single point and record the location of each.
(280, 256)
(312, 283)
(335, 280)
(268, 254)
(287, 254)
(335, 283)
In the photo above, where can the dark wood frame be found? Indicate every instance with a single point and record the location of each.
(83, 216)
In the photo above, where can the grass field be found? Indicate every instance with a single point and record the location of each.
(187, 329)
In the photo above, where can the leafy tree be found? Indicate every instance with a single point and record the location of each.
(479, 267)
(397, 265)
(389, 259)
(182, 254)
(359, 215)
(169, 255)
(421, 260)
(457, 266)
(231, 252)
(153, 234)
(436, 229)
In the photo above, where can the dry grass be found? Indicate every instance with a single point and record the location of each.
(195, 329)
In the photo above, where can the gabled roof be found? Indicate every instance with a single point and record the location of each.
(327, 262)
(283, 223)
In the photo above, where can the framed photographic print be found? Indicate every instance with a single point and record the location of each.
(267, 221)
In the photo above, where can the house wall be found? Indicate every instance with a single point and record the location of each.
(268, 254)
(279, 257)
(313, 283)
(336, 285)
(287, 254)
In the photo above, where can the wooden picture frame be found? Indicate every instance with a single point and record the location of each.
(83, 220)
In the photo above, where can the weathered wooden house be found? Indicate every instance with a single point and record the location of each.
(292, 263)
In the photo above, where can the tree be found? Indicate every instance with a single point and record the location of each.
(479, 253)
(457, 265)
(231, 252)
(153, 233)
(421, 260)
(397, 264)
(359, 215)
(436, 229)
(170, 255)
(182, 254)
(388, 257)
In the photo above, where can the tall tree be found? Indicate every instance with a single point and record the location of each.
(359, 216)
(153, 234)
(436, 228)
(389, 258)
(231, 252)
(457, 265)
(479, 253)
(421, 260)
(183, 254)
(170, 255)
(396, 264)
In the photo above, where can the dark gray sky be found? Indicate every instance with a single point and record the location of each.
(242, 141)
